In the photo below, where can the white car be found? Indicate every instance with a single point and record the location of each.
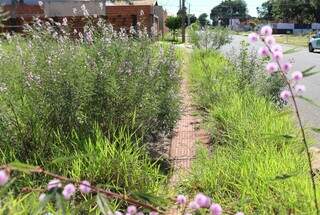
(314, 43)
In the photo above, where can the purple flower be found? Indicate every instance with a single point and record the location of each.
(181, 200)
(202, 200)
(276, 48)
(84, 187)
(194, 205)
(266, 30)
(253, 37)
(4, 177)
(300, 88)
(42, 197)
(286, 67)
(239, 213)
(140, 213)
(270, 40)
(154, 213)
(215, 209)
(55, 183)
(132, 209)
(264, 52)
(297, 76)
(277, 55)
(285, 95)
(68, 191)
(271, 68)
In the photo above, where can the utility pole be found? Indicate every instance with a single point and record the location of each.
(183, 21)
(189, 14)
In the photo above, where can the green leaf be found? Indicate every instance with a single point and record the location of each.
(103, 204)
(291, 51)
(309, 101)
(316, 130)
(308, 72)
(147, 197)
(26, 168)
(284, 176)
(277, 136)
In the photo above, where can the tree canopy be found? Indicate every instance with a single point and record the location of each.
(203, 19)
(298, 11)
(229, 9)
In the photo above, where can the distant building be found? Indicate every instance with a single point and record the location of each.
(147, 13)
(120, 14)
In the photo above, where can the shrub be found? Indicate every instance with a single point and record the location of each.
(52, 84)
(209, 38)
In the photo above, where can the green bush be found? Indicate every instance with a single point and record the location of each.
(257, 164)
(52, 84)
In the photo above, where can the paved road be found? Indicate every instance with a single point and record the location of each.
(301, 59)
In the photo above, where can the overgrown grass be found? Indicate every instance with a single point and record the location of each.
(84, 107)
(257, 164)
(295, 40)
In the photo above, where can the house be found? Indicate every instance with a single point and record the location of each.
(20, 12)
(124, 14)
(121, 14)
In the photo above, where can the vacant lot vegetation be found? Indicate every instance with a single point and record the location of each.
(84, 107)
(257, 163)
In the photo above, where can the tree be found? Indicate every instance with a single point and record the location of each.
(316, 9)
(229, 9)
(192, 18)
(203, 19)
(174, 23)
(265, 11)
(292, 11)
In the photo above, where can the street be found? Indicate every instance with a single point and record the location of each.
(302, 60)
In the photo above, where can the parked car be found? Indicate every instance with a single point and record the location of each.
(314, 43)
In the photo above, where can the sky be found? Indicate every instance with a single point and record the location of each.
(205, 6)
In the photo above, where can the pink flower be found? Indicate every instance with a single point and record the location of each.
(55, 183)
(285, 95)
(276, 48)
(42, 197)
(4, 177)
(216, 209)
(202, 200)
(239, 213)
(253, 37)
(297, 76)
(300, 88)
(154, 213)
(84, 187)
(266, 30)
(270, 40)
(277, 55)
(286, 67)
(194, 205)
(271, 68)
(264, 52)
(181, 199)
(68, 191)
(140, 213)
(132, 209)
(118, 213)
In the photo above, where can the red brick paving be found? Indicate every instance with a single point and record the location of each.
(186, 134)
